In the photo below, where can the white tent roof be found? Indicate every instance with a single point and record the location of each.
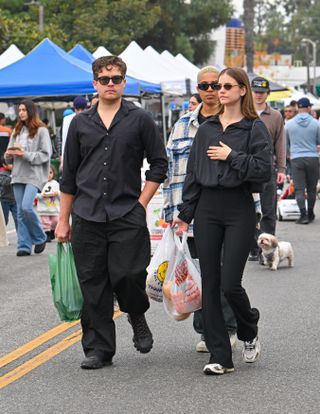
(188, 69)
(300, 94)
(11, 55)
(288, 75)
(150, 67)
(193, 68)
(101, 51)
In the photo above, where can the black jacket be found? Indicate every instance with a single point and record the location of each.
(249, 164)
(102, 167)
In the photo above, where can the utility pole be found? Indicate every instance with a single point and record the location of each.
(41, 13)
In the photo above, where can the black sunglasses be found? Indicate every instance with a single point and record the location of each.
(204, 86)
(116, 80)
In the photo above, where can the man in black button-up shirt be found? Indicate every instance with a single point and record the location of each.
(101, 185)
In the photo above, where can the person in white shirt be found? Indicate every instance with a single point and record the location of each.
(79, 104)
(48, 206)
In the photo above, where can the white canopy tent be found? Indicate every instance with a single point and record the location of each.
(101, 51)
(9, 56)
(150, 67)
(300, 94)
(189, 70)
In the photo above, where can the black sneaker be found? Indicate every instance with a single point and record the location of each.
(39, 248)
(142, 336)
(303, 219)
(94, 362)
(311, 216)
(254, 255)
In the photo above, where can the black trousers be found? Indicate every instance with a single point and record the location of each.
(225, 217)
(305, 175)
(228, 315)
(269, 205)
(110, 257)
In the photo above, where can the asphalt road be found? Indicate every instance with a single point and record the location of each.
(169, 379)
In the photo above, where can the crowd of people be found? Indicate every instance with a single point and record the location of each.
(220, 169)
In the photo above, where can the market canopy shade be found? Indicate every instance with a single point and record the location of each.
(11, 55)
(50, 71)
(82, 53)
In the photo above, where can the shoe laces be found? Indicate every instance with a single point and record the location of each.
(139, 325)
(250, 345)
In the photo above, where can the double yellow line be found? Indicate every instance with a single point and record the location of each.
(42, 357)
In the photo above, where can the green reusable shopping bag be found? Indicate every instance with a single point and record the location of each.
(66, 292)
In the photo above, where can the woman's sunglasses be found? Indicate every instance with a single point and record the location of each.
(104, 80)
(204, 86)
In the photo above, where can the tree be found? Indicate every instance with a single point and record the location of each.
(185, 27)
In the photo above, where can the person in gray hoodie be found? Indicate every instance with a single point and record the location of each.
(29, 150)
(303, 136)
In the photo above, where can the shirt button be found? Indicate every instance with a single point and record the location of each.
(104, 178)
(104, 163)
(104, 194)
(106, 148)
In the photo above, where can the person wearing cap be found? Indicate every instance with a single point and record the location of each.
(274, 123)
(303, 136)
(79, 104)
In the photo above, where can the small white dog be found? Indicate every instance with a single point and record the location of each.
(274, 251)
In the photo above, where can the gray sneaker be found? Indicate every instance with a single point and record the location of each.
(251, 350)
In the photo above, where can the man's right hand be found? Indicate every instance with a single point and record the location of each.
(63, 231)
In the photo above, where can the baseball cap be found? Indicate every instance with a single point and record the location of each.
(80, 102)
(304, 103)
(260, 84)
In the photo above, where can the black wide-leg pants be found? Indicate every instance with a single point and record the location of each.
(110, 257)
(225, 217)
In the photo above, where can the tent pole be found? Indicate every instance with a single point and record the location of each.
(163, 114)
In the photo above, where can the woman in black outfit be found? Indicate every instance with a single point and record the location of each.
(230, 158)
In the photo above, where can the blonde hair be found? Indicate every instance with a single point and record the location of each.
(247, 105)
(207, 69)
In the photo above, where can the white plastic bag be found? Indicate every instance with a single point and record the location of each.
(182, 285)
(161, 262)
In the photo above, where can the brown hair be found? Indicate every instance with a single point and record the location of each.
(33, 123)
(247, 105)
(106, 62)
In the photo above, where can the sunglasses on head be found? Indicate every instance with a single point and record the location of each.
(104, 80)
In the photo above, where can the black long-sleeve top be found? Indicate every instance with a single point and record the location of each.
(102, 167)
(249, 162)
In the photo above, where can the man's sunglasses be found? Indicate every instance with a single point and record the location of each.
(116, 80)
(215, 86)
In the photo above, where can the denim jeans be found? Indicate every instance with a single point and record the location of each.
(8, 206)
(29, 227)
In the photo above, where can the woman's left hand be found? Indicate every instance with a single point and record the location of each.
(219, 153)
(16, 152)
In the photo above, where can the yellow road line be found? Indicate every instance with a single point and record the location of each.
(44, 356)
(24, 349)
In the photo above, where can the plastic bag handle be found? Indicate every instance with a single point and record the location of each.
(181, 244)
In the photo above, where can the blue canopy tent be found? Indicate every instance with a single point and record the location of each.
(82, 53)
(49, 71)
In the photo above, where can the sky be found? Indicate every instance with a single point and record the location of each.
(238, 7)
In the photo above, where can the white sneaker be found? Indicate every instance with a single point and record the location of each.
(233, 340)
(216, 369)
(251, 350)
(201, 347)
